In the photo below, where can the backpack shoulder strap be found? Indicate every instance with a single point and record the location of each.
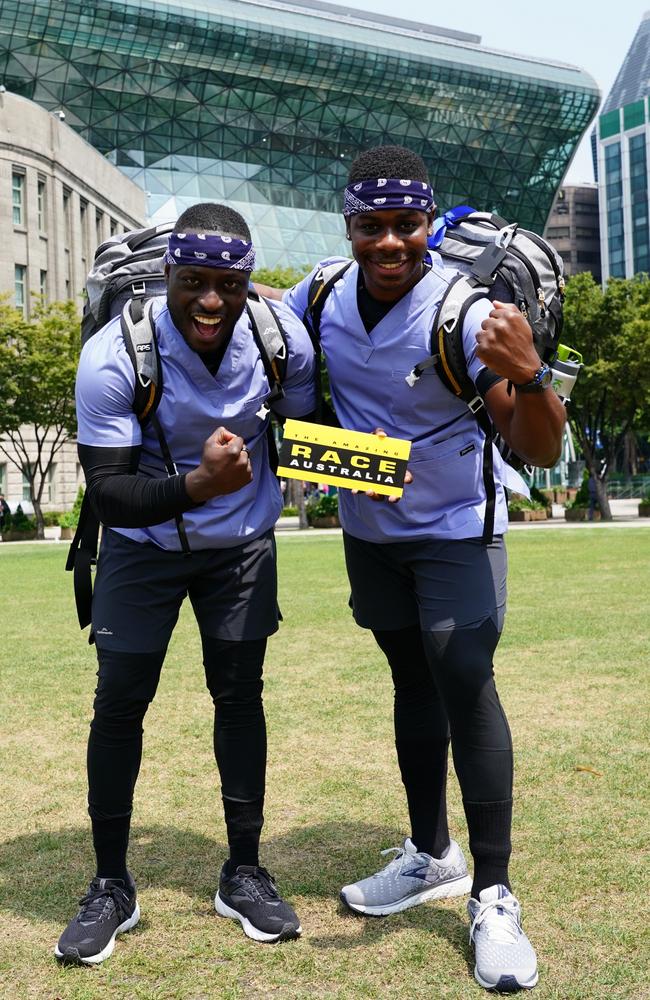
(142, 347)
(447, 353)
(321, 285)
(271, 341)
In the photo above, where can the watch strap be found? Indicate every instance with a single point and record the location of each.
(539, 382)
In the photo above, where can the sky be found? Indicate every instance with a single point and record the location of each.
(578, 32)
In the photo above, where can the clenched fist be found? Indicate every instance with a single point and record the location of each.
(225, 467)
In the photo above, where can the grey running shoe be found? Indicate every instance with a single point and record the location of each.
(410, 878)
(109, 908)
(505, 958)
(249, 895)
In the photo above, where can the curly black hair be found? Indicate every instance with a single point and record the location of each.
(388, 161)
(211, 217)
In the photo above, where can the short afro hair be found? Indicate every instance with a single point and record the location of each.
(211, 217)
(388, 161)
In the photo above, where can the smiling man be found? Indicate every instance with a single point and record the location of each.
(205, 531)
(427, 576)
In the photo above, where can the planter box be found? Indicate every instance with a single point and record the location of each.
(331, 521)
(66, 534)
(580, 514)
(18, 536)
(526, 515)
(560, 495)
(644, 509)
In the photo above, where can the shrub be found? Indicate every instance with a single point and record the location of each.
(540, 496)
(18, 521)
(51, 518)
(519, 502)
(326, 505)
(71, 517)
(289, 512)
(581, 499)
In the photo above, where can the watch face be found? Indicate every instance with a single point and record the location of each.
(546, 377)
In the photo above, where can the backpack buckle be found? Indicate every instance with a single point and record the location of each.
(476, 404)
(139, 291)
(505, 236)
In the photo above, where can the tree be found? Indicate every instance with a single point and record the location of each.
(280, 277)
(38, 363)
(611, 329)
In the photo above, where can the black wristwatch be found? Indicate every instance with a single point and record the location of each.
(540, 380)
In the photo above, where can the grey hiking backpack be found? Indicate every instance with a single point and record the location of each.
(127, 273)
(496, 259)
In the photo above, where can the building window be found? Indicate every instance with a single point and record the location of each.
(20, 286)
(99, 223)
(67, 220)
(114, 227)
(41, 202)
(3, 478)
(50, 485)
(43, 284)
(614, 208)
(26, 493)
(67, 271)
(639, 201)
(18, 198)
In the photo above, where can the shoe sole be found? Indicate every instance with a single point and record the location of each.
(72, 957)
(446, 890)
(506, 984)
(287, 933)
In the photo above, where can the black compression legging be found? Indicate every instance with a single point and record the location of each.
(444, 684)
(126, 687)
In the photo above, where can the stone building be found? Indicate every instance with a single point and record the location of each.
(59, 198)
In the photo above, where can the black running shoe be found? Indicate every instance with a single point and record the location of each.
(109, 908)
(249, 895)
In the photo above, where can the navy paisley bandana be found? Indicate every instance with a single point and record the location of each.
(206, 250)
(387, 192)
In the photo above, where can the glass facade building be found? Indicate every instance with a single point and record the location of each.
(622, 143)
(264, 105)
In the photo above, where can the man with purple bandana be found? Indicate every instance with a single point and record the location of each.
(205, 532)
(428, 574)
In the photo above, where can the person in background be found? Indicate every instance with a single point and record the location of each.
(5, 512)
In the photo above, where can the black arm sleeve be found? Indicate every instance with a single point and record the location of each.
(121, 498)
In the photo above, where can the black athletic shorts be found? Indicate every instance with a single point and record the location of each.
(455, 583)
(139, 589)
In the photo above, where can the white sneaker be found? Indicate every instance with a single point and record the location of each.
(505, 958)
(410, 878)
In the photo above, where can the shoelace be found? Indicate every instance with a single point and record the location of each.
(93, 904)
(502, 927)
(396, 864)
(262, 883)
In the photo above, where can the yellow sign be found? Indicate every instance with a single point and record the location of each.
(348, 459)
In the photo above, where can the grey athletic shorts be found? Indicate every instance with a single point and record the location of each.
(139, 589)
(456, 583)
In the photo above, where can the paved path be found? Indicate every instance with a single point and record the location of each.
(624, 512)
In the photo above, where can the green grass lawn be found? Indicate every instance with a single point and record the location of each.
(572, 673)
